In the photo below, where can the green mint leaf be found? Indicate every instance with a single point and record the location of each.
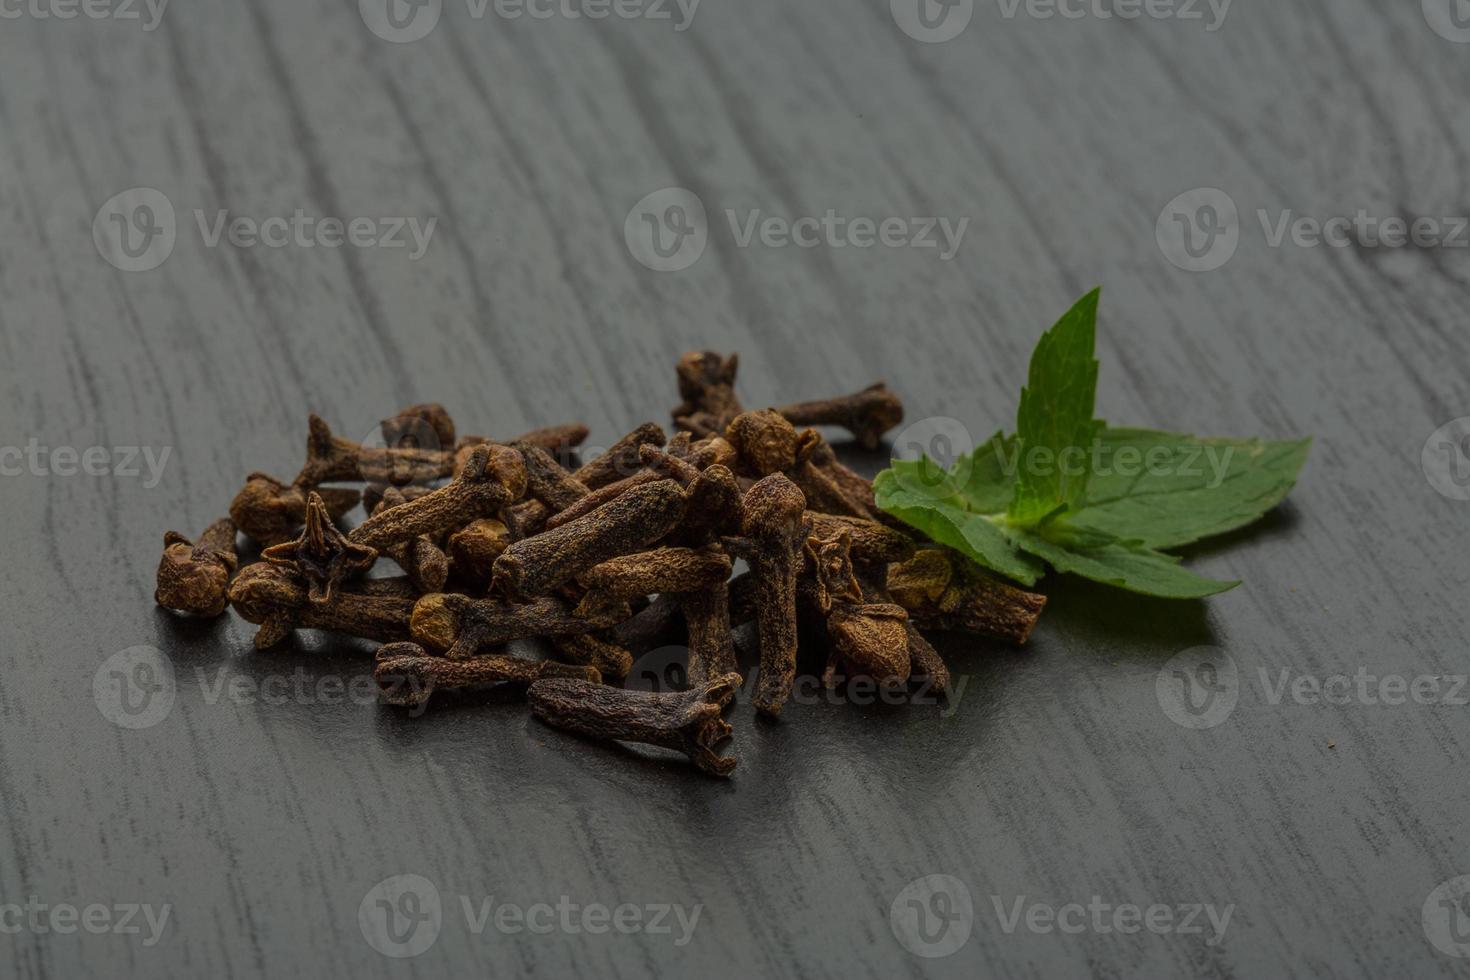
(1124, 564)
(949, 521)
(1054, 421)
(1164, 489)
(1015, 511)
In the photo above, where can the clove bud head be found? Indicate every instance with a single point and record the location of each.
(764, 442)
(270, 511)
(194, 578)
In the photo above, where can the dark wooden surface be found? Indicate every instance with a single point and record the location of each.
(1056, 776)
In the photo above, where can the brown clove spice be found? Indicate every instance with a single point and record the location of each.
(944, 592)
(493, 476)
(867, 414)
(460, 627)
(628, 523)
(868, 636)
(193, 577)
(420, 558)
(686, 721)
(330, 458)
(711, 644)
(586, 649)
(612, 584)
(707, 385)
(275, 599)
(473, 549)
(774, 530)
(269, 511)
(407, 676)
(321, 554)
(426, 426)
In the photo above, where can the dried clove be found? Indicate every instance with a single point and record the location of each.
(831, 487)
(193, 577)
(427, 426)
(657, 624)
(552, 488)
(555, 439)
(715, 502)
(322, 555)
(707, 385)
(944, 592)
(493, 476)
(686, 721)
(869, 636)
(473, 550)
(608, 658)
(408, 676)
(269, 511)
(602, 479)
(611, 584)
(331, 458)
(925, 663)
(275, 599)
(621, 458)
(548, 481)
(872, 543)
(765, 442)
(867, 414)
(711, 645)
(680, 461)
(593, 500)
(628, 523)
(844, 491)
(373, 493)
(459, 627)
(774, 529)
(426, 565)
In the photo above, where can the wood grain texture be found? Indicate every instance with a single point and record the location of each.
(1055, 776)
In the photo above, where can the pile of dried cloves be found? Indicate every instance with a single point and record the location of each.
(503, 540)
